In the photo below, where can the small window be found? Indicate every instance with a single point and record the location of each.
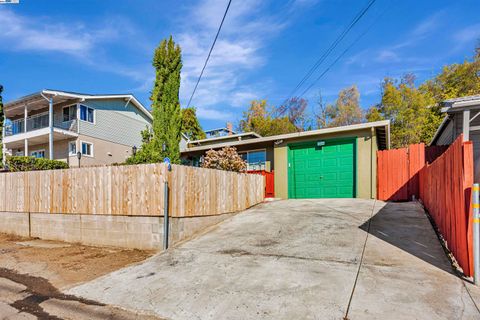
(86, 114)
(38, 154)
(69, 113)
(72, 148)
(257, 157)
(87, 149)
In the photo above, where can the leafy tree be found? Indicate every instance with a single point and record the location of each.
(225, 159)
(415, 111)
(411, 111)
(346, 110)
(166, 112)
(2, 117)
(190, 124)
(295, 109)
(265, 121)
(455, 80)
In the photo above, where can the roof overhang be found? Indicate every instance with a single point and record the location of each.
(232, 136)
(382, 130)
(37, 100)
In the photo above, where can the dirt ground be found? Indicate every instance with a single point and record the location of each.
(33, 274)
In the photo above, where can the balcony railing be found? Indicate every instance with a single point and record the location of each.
(38, 121)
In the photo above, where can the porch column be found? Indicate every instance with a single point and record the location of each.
(50, 125)
(25, 117)
(4, 147)
(466, 125)
(25, 125)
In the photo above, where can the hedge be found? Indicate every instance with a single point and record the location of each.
(16, 164)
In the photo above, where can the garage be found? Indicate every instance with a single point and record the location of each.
(322, 169)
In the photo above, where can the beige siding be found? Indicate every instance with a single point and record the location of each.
(104, 152)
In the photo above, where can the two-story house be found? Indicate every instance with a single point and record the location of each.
(58, 125)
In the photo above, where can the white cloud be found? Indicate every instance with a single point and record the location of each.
(30, 34)
(468, 34)
(238, 50)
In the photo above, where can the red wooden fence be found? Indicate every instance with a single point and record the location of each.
(269, 182)
(397, 170)
(445, 189)
(442, 177)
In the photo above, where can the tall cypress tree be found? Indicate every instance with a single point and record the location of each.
(165, 100)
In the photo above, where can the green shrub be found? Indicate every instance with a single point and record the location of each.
(16, 164)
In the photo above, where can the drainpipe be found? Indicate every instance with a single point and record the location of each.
(25, 129)
(50, 125)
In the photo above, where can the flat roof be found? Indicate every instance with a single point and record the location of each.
(243, 134)
(61, 96)
(385, 140)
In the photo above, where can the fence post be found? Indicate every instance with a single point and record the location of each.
(165, 216)
(476, 233)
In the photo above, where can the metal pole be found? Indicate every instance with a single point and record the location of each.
(476, 233)
(165, 216)
(50, 125)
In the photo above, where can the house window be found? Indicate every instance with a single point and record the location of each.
(87, 149)
(69, 113)
(255, 159)
(86, 114)
(38, 154)
(72, 148)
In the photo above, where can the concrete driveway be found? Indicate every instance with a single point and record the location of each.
(300, 259)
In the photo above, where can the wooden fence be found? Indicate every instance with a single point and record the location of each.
(445, 189)
(130, 190)
(397, 170)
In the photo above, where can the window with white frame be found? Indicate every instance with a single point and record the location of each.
(69, 113)
(38, 154)
(87, 149)
(72, 148)
(255, 159)
(87, 114)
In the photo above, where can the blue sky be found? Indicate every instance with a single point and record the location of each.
(263, 51)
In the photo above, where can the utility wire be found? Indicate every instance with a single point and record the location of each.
(355, 20)
(343, 53)
(209, 53)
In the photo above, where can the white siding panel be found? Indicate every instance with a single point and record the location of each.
(114, 122)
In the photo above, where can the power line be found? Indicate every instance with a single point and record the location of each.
(343, 53)
(354, 21)
(209, 53)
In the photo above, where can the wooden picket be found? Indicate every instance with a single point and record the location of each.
(398, 170)
(136, 190)
(445, 189)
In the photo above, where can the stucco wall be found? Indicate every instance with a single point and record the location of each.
(60, 149)
(366, 162)
(104, 152)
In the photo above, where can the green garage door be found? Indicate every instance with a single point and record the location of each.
(322, 171)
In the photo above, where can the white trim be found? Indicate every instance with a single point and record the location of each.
(76, 113)
(76, 148)
(83, 97)
(238, 135)
(36, 133)
(94, 114)
(92, 149)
